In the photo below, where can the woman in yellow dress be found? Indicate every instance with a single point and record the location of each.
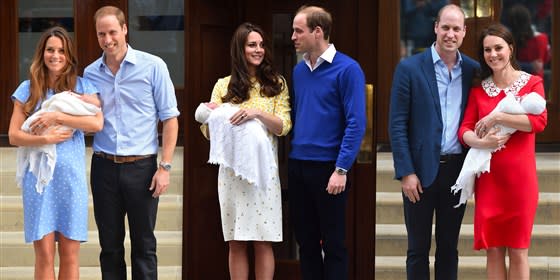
(252, 213)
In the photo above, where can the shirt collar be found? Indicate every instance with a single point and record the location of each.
(436, 57)
(327, 55)
(130, 57)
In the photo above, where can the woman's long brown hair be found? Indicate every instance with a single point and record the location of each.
(39, 73)
(240, 81)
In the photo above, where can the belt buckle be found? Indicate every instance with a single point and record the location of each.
(116, 160)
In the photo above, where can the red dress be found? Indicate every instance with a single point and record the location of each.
(506, 197)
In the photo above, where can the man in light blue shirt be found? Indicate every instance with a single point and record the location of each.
(136, 93)
(449, 80)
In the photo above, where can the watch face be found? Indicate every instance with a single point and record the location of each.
(165, 166)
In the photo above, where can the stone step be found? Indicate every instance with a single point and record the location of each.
(389, 209)
(391, 240)
(170, 213)
(86, 273)
(8, 185)
(548, 171)
(470, 267)
(14, 252)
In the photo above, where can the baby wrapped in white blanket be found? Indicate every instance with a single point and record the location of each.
(478, 160)
(42, 159)
(245, 149)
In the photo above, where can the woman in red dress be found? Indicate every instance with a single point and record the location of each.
(506, 197)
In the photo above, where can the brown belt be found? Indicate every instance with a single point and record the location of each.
(121, 159)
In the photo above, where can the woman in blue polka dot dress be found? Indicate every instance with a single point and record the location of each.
(58, 212)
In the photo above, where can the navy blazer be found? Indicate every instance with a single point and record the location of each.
(415, 123)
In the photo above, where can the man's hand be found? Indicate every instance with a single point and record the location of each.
(411, 187)
(337, 184)
(160, 182)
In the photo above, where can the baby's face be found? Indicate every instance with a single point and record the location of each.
(211, 105)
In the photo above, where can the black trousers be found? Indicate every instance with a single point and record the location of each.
(418, 218)
(318, 219)
(121, 189)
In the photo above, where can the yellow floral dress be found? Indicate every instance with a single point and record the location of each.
(249, 212)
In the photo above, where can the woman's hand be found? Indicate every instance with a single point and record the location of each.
(243, 115)
(43, 122)
(272, 122)
(492, 140)
(57, 134)
(484, 125)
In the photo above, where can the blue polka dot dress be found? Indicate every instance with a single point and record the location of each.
(63, 205)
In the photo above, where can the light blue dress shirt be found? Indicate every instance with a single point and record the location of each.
(450, 92)
(139, 95)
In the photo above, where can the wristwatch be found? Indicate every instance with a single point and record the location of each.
(165, 165)
(340, 171)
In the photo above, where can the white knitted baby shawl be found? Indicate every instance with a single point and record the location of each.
(245, 149)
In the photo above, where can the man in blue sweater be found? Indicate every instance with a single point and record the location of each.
(328, 106)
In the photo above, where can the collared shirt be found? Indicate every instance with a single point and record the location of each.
(328, 56)
(133, 101)
(450, 93)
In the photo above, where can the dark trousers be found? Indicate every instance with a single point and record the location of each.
(318, 219)
(121, 189)
(418, 219)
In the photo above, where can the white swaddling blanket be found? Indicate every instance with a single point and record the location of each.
(245, 149)
(477, 161)
(42, 159)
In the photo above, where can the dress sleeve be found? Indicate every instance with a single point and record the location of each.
(22, 92)
(471, 116)
(538, 122)
(282, 109)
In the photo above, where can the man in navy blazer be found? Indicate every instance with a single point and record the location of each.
(428, 98)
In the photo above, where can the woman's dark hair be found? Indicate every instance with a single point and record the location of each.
(240, 81)
(501, 31)
(519, 21)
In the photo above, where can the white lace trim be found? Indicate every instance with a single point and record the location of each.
(492, 90)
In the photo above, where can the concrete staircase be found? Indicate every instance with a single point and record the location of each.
(391, 242)
(17, 258)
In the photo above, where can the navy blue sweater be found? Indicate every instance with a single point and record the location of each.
(328, 111)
